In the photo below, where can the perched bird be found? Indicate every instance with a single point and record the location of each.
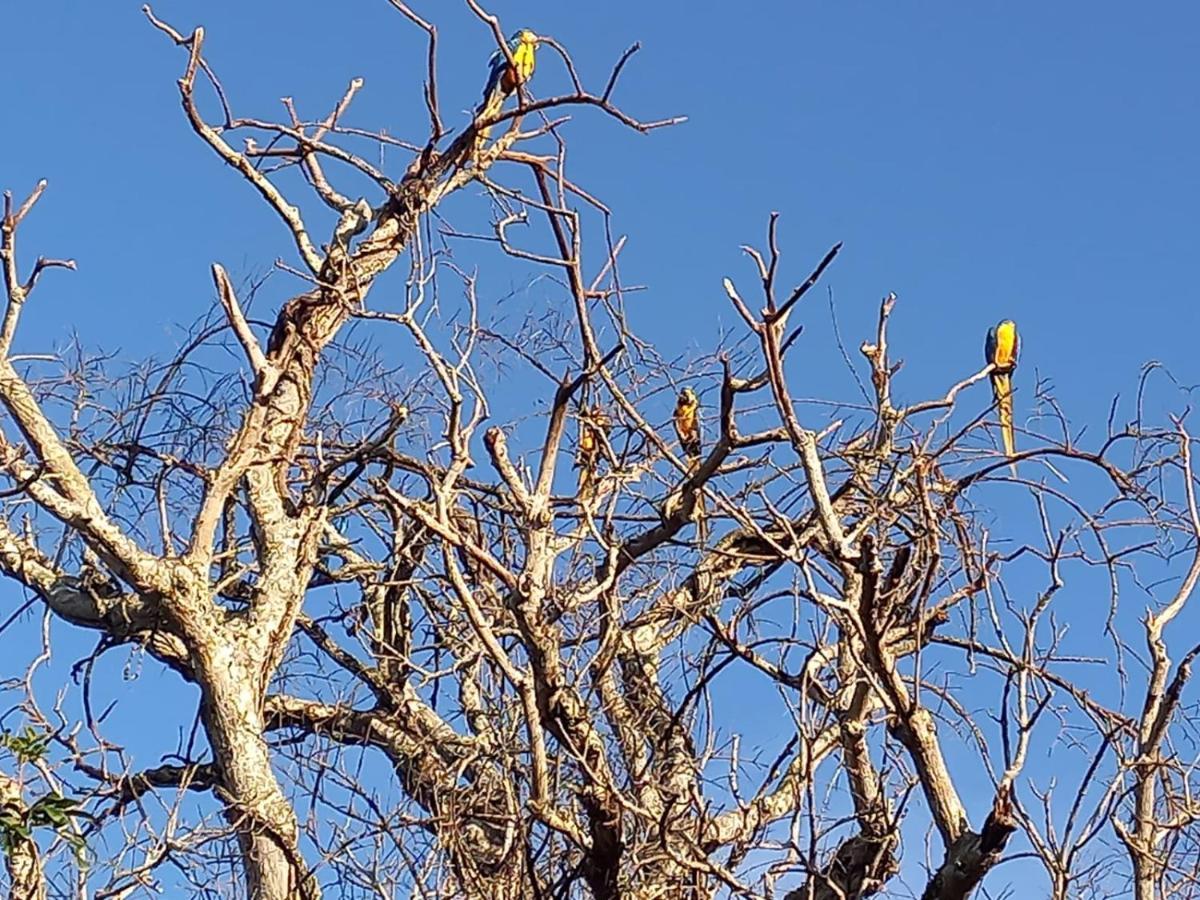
(687, 424)
(593, 426)
(687, 429)
(504, 77)
(1001, 351)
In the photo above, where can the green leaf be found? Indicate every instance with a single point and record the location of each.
(56, 817)
(53, 809)
(28, 746)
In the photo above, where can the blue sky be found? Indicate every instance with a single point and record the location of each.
(984, 160)
(979, 160)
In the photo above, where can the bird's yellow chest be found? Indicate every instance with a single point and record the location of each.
(1006, 339)
(524, 60)
(685, 418)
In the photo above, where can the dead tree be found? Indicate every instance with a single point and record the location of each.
(506, 607)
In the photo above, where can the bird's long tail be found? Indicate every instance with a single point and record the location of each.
(1002, 391)
(492, 101)
(699, 515)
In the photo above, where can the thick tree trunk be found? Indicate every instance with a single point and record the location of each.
(26, 881)
(255, 804)
(1142, 843)
(973, 855)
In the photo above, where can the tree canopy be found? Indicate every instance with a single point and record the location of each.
(464, 603)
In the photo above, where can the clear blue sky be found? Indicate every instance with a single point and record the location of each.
(980, 160)
(1033, 161)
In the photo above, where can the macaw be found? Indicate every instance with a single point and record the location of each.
(503, 78)
(1001, 351)
(593, 426)
(687, 429)
(687, 424)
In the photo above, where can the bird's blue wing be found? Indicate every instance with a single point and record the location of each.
(496, 67)
(989, 346)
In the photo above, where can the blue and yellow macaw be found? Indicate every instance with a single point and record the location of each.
(503, 78)
(687, 429)
(1001, 350)
(687, 424)
(593, 429)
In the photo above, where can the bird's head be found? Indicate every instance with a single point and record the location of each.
(688, 398)
(525, 36)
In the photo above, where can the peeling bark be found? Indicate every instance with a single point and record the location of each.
(24, 862)
(255, 804)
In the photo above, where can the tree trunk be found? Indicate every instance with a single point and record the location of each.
(972, 855)
(22, 860)
(254, 803)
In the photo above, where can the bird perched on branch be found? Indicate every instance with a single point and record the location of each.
(593, 427)
(687, 425)
(504, 77)
(687, 429)
(1001, 351)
